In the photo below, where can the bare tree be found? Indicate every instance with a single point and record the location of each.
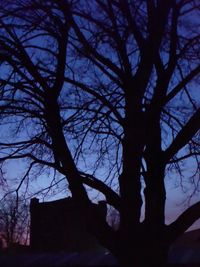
(106, 93)
(14, 221)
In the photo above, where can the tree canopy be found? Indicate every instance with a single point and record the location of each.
(105, 93)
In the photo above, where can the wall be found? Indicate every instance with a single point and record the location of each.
(61, 225)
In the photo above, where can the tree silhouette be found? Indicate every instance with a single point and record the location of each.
(14, 221)
(106, 89)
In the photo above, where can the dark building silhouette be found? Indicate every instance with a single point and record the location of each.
(62, 225)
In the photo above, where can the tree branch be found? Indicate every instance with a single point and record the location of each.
(179, 87)
(132, 24)
(184, 221)
(112, 198)
(104, 60)
(184, 136)
(191, 154)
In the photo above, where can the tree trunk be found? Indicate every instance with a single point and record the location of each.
(142, 258)
(146, 249)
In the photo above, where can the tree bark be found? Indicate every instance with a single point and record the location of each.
(144, 248)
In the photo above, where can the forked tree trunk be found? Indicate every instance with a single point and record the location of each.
(146, 244)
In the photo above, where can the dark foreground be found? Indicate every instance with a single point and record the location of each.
(63, 259)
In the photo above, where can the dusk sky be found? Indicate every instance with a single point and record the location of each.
(178, 198)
